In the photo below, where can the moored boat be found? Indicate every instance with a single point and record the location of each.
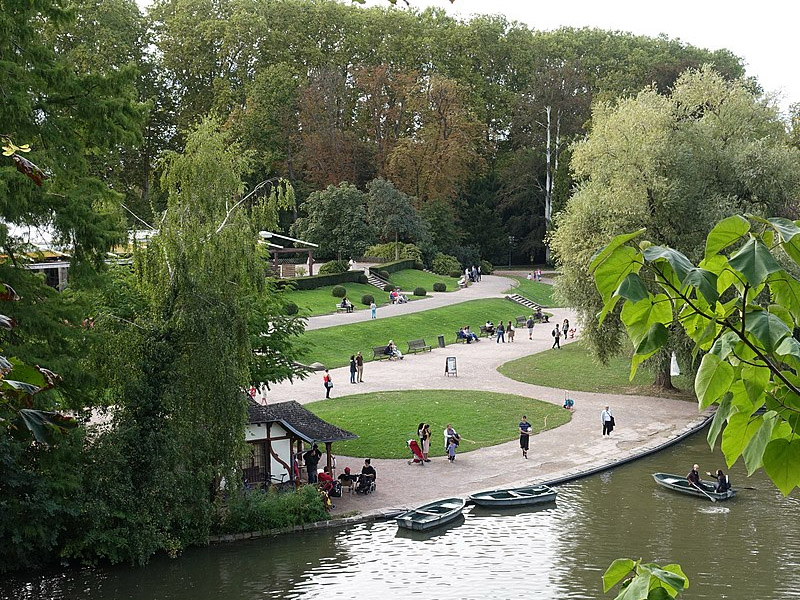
(682, 485)
(520, 496)
(431, 515)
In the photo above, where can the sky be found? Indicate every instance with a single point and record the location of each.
(762, 33)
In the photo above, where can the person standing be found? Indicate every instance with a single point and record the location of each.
(327, 381)
(450, 433)
(510, 332)
(452, 444)
(420, 433)
(608, 420)
(426, 442)
(360, 368)
(530, 324)
(311, 459)
(524, 435)
(479, 273)
(352, 368)
(373, 309)
(557, 337)
(501, 332)
(565, 328)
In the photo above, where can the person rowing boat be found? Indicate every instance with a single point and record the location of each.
(694, 476)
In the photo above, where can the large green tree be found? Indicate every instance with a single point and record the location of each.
(392, 215)
(675, 164)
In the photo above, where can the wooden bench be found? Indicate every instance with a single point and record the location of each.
(521, 321)
(485, 332)
(418, 346)
(379, 353)
(459, 339)
(340, 308)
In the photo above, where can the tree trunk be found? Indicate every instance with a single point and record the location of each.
(548, 186)
(661, 367)
(396, 249)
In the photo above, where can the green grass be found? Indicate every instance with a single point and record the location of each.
(384, 421)
(321, 302)
(574, 368)
(409, 279)
(535, 291)
(333, 346)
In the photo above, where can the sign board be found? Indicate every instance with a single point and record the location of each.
(450, 366)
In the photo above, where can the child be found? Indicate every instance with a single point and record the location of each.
(451, 449)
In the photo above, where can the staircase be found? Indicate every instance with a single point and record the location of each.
(373, 279)
(524, 301)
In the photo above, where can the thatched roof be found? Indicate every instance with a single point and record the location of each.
(298, 420)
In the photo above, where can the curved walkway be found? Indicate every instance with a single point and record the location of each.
(643, 423)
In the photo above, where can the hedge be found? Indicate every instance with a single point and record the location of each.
(395, 265)
(318, 281)
(420, 291)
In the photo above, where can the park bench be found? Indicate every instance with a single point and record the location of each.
(418, 346)
(379, 353)
(460, 340)
(485, 332)
(340, 308)
(521, 321)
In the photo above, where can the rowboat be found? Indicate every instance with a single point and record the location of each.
(521, 496)
(681, 484)
(431, 515)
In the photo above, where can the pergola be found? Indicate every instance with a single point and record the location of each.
(278, 250)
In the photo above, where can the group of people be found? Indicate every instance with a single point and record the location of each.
(466, 334)
(535, 275)
(392, 351)
(558, 332)
(395, 297)
(346, 304)
(472, 275)
(356, 368)
(723, 481)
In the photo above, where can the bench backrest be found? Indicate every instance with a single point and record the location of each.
(416, 343)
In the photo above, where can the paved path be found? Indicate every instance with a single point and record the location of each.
(642, 423)
(491, 286)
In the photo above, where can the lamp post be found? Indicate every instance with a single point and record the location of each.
(511, 240)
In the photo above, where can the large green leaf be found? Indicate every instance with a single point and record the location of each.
(44, 425)
(614, 269)
(705, 282)
(617, 571)
(679, 263)
(786, 229)
(754, 262)
(755, 380)
(639, 317)
(754, 451)
(782, 463)
(785, 291)
(738, 432)
(725, 233)
(638, 588)
(653, 340)
(713, 379)
(618, 241)
(632, 288)
(723, 410)
(673, 580)
(767, 329)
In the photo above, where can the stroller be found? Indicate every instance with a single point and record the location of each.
(415, 452)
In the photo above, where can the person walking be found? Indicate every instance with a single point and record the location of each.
(530, 324)
(556, 337)
(373, 309)
(608, 420)
(501, 332)
(524, 435)
(510, 332)
(327, 381)
(360, 368)
(352, 368)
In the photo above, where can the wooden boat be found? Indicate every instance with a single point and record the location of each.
(680, 484)
(521, 496)
(431, 515)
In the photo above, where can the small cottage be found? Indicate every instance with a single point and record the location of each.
(277, 433)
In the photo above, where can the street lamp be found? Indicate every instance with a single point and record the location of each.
(511, 240)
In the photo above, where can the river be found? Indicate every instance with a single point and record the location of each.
(743, 549)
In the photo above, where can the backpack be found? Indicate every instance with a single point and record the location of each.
(553, 333)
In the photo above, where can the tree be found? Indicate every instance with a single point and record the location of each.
(740, 306)
(391, 214)
(336, 219)
(676, 165)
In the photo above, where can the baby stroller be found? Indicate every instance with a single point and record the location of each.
(416, 453)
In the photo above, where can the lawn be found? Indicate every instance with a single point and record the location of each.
(409, 279)
(384, 421)
(321, 302)
(332, 346)
(535, 291)
(574, 368)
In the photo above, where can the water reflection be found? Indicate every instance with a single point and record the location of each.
(746, 548)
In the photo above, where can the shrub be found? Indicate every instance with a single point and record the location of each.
(386, 251)
(367, 299)
(383, 274)
(396, 265)
(291, 308)
(486, 267)
(444, 264)
(339, 291)
(254, 510)
(439, 287)
(420, 291)
(299, 271)
(388, 287)
(363, 278)
(334, 266)
(455, 274)
(318, 281)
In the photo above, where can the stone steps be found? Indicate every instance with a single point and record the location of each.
(376, 281)
(523, 301)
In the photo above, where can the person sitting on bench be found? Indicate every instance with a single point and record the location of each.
(468, 335)
(393, 351)
(346, 304)
(489, 327)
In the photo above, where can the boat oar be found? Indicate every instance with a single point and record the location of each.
(703, 491)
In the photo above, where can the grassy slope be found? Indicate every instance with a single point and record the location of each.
(574, 368)
(408, 279)
(535, 291)
(333, 346)
(321, 302)
(384, 421)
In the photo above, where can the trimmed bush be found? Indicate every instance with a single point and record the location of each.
(339, 291)
(420, 291)
(439, 287)
(388, 287)
(397, 265)
(444, 264)
(367, 299)
(456, 274)
(486, 267)
(363, 278)
(383, 274)
(333, 267)
(318, 281)
(291, 308)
